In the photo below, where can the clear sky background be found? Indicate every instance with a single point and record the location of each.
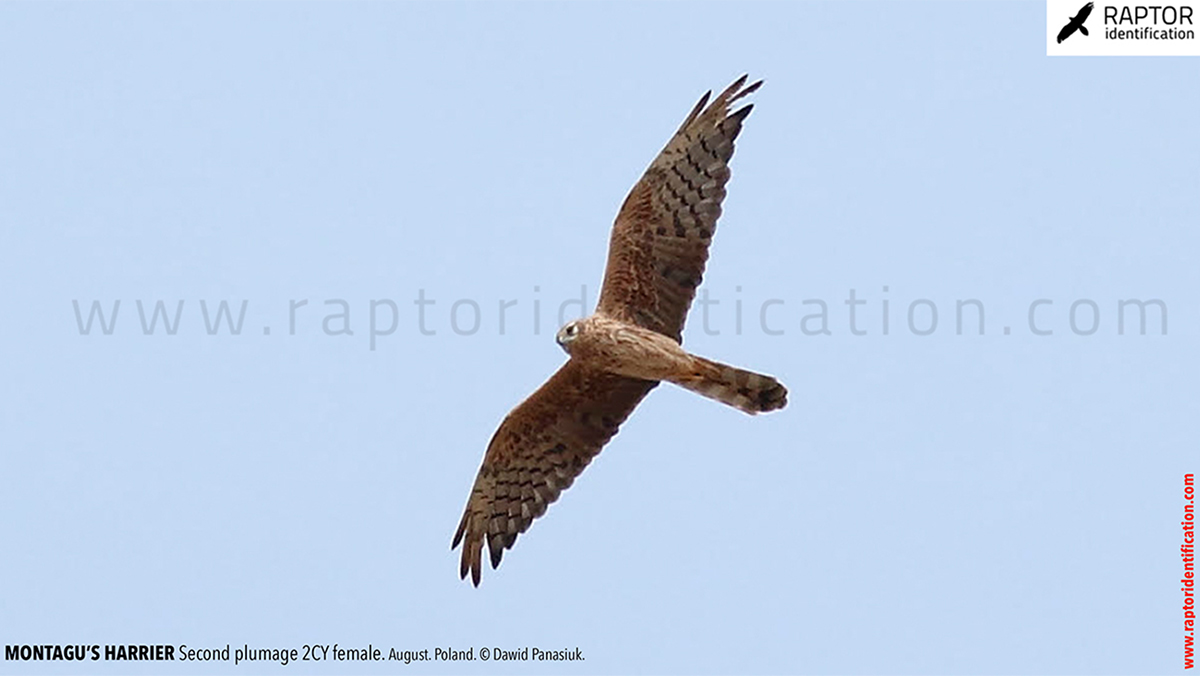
(996, 503)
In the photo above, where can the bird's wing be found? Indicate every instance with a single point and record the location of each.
(660, 240)
(1084, 13)
(537, 452)
(1066, 31)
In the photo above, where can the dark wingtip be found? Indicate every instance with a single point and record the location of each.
(736, 91)
(462, 529)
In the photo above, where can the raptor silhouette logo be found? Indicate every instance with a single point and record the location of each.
(1076, 23)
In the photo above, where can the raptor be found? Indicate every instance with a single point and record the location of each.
(631, 343)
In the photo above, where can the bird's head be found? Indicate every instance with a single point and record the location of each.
(568, 333)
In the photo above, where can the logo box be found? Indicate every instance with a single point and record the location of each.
(1100, 28)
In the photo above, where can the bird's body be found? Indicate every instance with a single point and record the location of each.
(657, 254)
(625, 349)
(629, 350)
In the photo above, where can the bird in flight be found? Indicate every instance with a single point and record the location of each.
(656, 256)
(1076, 23)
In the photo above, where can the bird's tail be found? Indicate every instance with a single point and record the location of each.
(744, 390)
(1083, 30)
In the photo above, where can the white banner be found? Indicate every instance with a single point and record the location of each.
(1078, 28)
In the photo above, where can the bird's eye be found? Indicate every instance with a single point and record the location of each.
(572, 329)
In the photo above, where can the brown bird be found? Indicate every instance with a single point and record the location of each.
(656, 258)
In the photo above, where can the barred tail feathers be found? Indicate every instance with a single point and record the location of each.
(744, 390)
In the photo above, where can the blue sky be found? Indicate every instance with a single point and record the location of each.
(998, 503)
